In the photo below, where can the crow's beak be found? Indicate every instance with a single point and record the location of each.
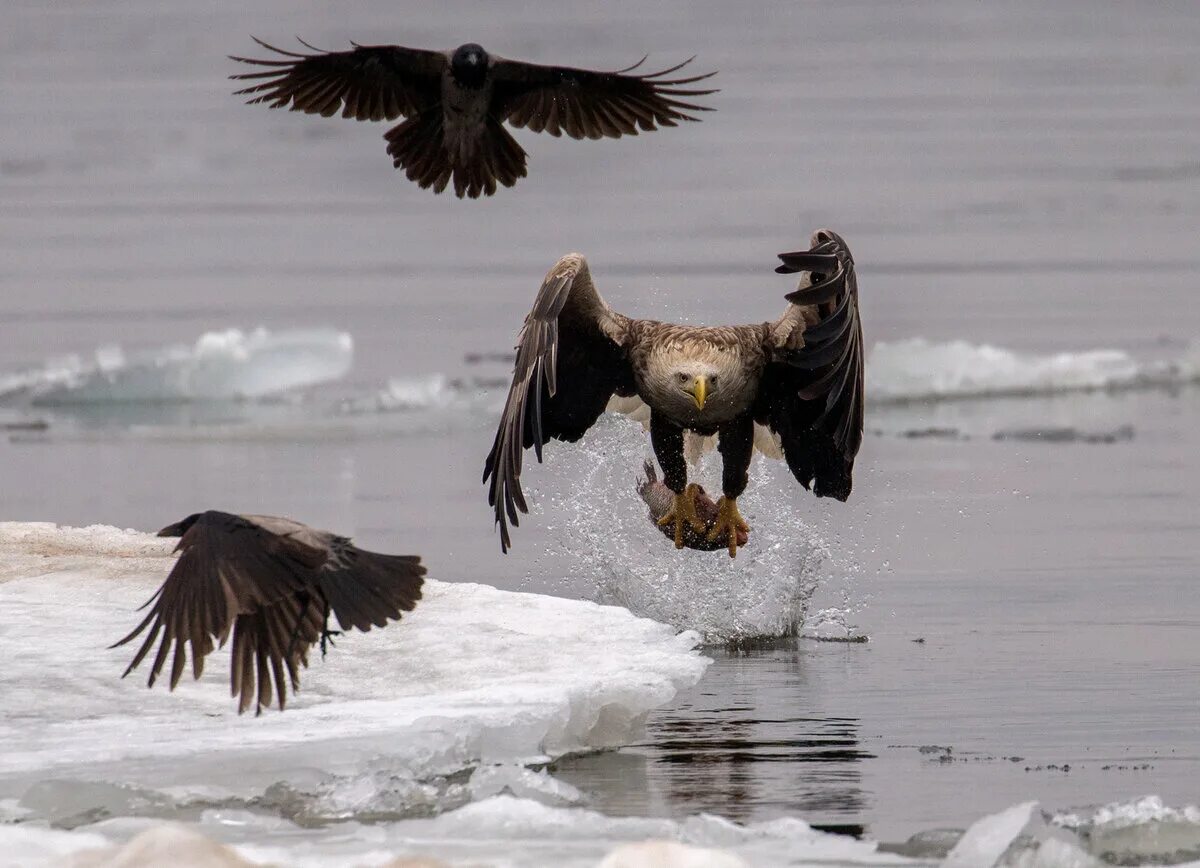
(172, 530)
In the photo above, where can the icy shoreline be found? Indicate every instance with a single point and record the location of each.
(475, 675)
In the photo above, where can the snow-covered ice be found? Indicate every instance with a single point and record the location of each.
(442, 714)
(474, 675)
(498, 832)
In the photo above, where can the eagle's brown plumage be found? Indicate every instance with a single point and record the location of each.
(273, 582)
(800, 377)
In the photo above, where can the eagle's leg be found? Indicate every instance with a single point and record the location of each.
(736, 445)
(667, 440)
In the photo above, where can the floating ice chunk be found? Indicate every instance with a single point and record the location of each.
(987, 840)
(474, 675)
(220, 366)
(416, 394)
(1137, 831)
(407, 395)
(519, 781)
(917, 369)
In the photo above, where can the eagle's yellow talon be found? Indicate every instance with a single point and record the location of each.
(684, 509)
(729, 521)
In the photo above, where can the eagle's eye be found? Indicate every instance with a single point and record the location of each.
(683, 378)
(712, 381)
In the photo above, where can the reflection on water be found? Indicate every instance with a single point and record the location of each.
(739, 745)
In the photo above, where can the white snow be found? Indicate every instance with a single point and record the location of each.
(221, 365)
(474, 675)
(921, 370)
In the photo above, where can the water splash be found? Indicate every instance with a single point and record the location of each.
(599, 520)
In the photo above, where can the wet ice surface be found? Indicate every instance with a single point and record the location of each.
(1019, 186)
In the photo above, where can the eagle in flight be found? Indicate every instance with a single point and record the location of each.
(793, 387)
(455, 104)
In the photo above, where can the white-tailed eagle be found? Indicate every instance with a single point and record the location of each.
(794, 386)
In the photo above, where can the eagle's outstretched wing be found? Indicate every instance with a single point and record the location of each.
(811, 394)
(572, 356)
(368, 82)
(585, 103)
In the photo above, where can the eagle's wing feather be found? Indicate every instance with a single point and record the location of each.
(590, 104)
(369, 82)
(811, 395)
(228, 568)
(572, 356)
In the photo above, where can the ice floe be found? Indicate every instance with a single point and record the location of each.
(922, 370)
(1137, 831)
(219, 366)
(474, 676)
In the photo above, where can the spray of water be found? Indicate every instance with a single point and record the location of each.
(600, 522)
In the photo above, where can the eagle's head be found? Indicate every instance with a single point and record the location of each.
(696, 380)
(469, 65)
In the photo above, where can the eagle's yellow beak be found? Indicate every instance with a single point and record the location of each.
(699, 390)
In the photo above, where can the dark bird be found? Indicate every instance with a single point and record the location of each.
(274, 582)
(455, 104)
(792, 387)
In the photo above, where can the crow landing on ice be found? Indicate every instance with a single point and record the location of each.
(273, 582)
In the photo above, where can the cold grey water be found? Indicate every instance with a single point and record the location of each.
(1020, 186)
